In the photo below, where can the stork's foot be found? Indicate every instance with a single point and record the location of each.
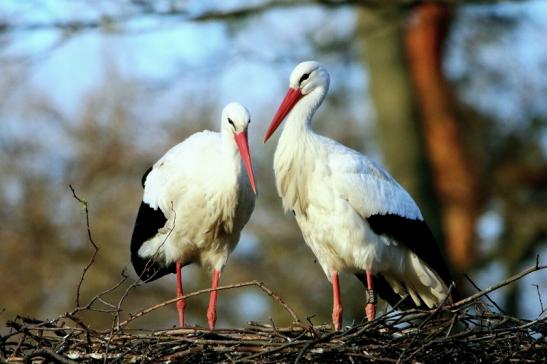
(370, 308)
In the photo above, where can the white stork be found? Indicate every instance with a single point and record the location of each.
(196, 201)
(353, 215)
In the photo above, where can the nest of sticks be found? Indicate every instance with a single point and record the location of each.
(469, 331)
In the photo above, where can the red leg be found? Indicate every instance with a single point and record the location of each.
(212, 310)
(180, 303)
(337, 308)
(370, 308)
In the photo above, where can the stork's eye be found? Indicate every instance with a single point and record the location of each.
(231, 122)
(304, 77)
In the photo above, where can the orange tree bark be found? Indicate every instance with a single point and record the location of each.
(454, 179)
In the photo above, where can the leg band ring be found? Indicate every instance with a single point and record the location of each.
(372, 298)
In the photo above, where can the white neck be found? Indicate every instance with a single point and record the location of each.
(299, 119)
(292, 156)
(228, 142)
(230, 160)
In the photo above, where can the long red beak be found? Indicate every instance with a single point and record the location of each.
(243, 145)
(291, 98)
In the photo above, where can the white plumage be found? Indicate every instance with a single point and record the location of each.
(205, 197)
(341, 200)
(197, 199)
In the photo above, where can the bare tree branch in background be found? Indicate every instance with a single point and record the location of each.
(148, 8)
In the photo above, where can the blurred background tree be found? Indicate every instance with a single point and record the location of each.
(450, 97)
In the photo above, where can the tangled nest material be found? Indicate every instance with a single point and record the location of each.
(467, 331)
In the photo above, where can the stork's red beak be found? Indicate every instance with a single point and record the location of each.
(243, 145)
(291, 98)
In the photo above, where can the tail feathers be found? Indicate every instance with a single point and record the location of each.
(426, 283)
(416, 286)
(149, 270)
(414, 295)
(386, 291)
(429, 283)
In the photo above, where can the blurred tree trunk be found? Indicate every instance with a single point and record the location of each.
(454, 179)
(396, 115)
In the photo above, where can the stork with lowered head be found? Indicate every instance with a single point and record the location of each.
(197, 199)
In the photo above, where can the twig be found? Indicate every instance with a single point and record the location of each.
(540, 300)
(207, 290)
(90, 239)
(312, 330)
(23, 337)
(97, 297)
(271, 351)
(509, 280)
(312, 343)
(279, 300)
(276, 332)
(48, 354)
(452, 323)
(480, 290)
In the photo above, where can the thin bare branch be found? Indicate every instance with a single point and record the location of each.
(90, 239)
(480, 290)
(220, 288)
(117, 23)
(504, 283)
(540, 300)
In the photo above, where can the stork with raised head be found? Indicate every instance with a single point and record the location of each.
(353, 215)
(196, 201)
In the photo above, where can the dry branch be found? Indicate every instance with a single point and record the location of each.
(117, 22)
(509, 280)
(91, 241)
(221, 288)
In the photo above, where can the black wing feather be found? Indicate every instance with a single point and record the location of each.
(416, 236)
(147, 224)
